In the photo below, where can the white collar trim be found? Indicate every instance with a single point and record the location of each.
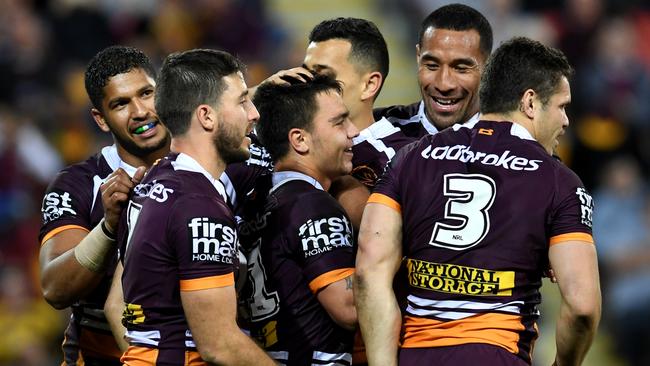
(114, 161)
(186, 162)
(376, 131)
(280, 178)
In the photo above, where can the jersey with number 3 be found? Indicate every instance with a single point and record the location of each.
(480, 208)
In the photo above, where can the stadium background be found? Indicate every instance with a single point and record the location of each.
(45, 123)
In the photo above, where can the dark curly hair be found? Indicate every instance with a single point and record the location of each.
(110, 62)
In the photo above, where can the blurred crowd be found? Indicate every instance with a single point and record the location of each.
(45, 123)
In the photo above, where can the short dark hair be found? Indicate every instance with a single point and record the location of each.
(188, 79)
(459, 17)
(368, 47)
(516, 66)
(109, 62)
(286, 106)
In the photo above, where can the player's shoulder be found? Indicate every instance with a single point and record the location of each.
(397, 112)
(301, 198)
(176, 180)
(94, 165)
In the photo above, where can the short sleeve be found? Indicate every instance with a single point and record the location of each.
(202, 234)
(388, 189)
(322, 240)
(571, 216)
(67, 202)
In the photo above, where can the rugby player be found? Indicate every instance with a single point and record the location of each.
(179, 241)
(479, 213)
(82, 205)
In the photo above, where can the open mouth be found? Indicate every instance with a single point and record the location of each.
(145, 127)
(446, 102)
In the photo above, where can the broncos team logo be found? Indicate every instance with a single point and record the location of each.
(365, 175)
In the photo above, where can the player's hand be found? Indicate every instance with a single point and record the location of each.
(115, 193)
(297, 74)
(551, 275)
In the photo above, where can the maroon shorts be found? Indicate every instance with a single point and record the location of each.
(464, 354)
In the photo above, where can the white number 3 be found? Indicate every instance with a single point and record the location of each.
(470, 196)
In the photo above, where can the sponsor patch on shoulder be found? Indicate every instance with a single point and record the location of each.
(56, 205)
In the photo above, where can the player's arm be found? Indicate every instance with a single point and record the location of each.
(73, 261)
(378, 259)
(211, 315)
(352, 195)
(338, 300)
(114, 307)
(576, 268)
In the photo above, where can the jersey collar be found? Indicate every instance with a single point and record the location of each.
(280, 178)
(114, 161)
(186, 162)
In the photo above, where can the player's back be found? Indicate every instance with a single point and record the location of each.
(479, 209)
(179, 232)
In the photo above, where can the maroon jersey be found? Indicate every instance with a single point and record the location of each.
(297, 241)
(412, 119)
(239, 178)
(181, 237)
(373, 148)
(480, 208)
(73, 201)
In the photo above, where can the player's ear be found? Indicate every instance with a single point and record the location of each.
(527, 103)
(372, 84)
(206, 116)
(99, 120)
(299, 140)
(417, 54)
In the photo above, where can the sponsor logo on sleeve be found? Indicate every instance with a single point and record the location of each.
(465, 154)
(154, 190)
(56, 205)
(212, 240)
(325, 234)
(586, 206)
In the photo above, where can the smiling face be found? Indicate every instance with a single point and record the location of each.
(332, 58)
(128, 113)
(330, 136)
(550, 119)
(449, 70)
(236, 116)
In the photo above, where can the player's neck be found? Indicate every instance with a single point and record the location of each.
(364, 119)
(204, 152)
(299, 165)
(146, 160)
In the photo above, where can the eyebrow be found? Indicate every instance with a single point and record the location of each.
(317, 68)
(339, 117)
(456, 61)
(243, 94)
(119, 99)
